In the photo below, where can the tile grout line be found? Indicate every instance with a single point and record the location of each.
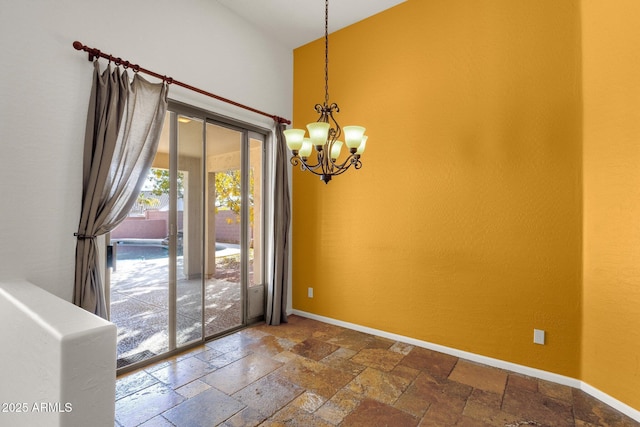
(485, 360)
(369, 359)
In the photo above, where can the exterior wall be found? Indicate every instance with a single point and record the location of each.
(611, 320)
(141, 228)
(154, 226)
(227, 227)
(463, 227)
(44, 93)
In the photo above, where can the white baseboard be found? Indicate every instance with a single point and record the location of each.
(497, 363)
(611, 401)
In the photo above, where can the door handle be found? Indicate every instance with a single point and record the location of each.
(111, 256)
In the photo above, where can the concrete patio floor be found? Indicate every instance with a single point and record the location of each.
(140, 307)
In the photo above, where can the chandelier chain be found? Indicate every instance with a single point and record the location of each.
(326, 52)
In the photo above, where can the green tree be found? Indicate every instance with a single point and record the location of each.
(229, 192)
(228, 189)
(161, 184)
(159, 179)
(148, 202)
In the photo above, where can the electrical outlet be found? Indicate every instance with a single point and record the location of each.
(538, 336)
(310, 292)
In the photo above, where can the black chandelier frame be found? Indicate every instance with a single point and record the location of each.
(326, 167)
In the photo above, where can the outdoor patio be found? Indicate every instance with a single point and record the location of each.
(140, 304)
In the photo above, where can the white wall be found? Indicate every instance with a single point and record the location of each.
(44, 91)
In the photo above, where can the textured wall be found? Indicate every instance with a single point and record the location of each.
(44, 93)
(463, 228)
(611, 350)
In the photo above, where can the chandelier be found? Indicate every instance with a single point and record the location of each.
(324, 134)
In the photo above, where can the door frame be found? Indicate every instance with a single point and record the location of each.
(258, 296)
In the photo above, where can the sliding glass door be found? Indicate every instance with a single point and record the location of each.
(189, 260)
(234, 225)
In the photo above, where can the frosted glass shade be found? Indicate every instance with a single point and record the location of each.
(318, 132)
(307, 146)
(353, 135)
(362, 145)
(335, 149)
(294, 138)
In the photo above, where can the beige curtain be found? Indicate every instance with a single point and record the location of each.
(277, 293)
(124, 123)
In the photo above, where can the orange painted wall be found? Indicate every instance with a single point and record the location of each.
(464, 226)
(611, 85)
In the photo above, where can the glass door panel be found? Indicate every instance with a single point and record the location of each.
(138, 280)
(188, 191)
(255, 225)
(223, 237)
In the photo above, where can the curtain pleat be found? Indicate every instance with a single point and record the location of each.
(276, 312)
(124, 123)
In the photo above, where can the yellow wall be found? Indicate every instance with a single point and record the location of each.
(463, 228)
(611, 86)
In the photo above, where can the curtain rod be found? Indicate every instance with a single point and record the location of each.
(93, 53)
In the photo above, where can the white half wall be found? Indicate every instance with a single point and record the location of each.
(58, 362)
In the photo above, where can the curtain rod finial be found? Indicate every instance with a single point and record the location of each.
(92, 52)
(281, 120)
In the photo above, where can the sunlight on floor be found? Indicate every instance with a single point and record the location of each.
(140, 304)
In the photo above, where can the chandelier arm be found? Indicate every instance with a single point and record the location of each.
(351, 160)
(311, 168)
(326, 160)
(322, 160)
(328, 168)
(295, 161)
(340, 171)
(304, 166)
(326, 115)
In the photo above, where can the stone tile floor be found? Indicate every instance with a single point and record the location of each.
(308, 373)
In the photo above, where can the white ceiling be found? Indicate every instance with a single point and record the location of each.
(298, 22)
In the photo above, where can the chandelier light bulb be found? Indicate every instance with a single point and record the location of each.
(353, 136)
(362, 145)
(294, 138)
(318, 133)
(306, 149)
(335, 150)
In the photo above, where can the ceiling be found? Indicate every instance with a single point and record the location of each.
(298, 22)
